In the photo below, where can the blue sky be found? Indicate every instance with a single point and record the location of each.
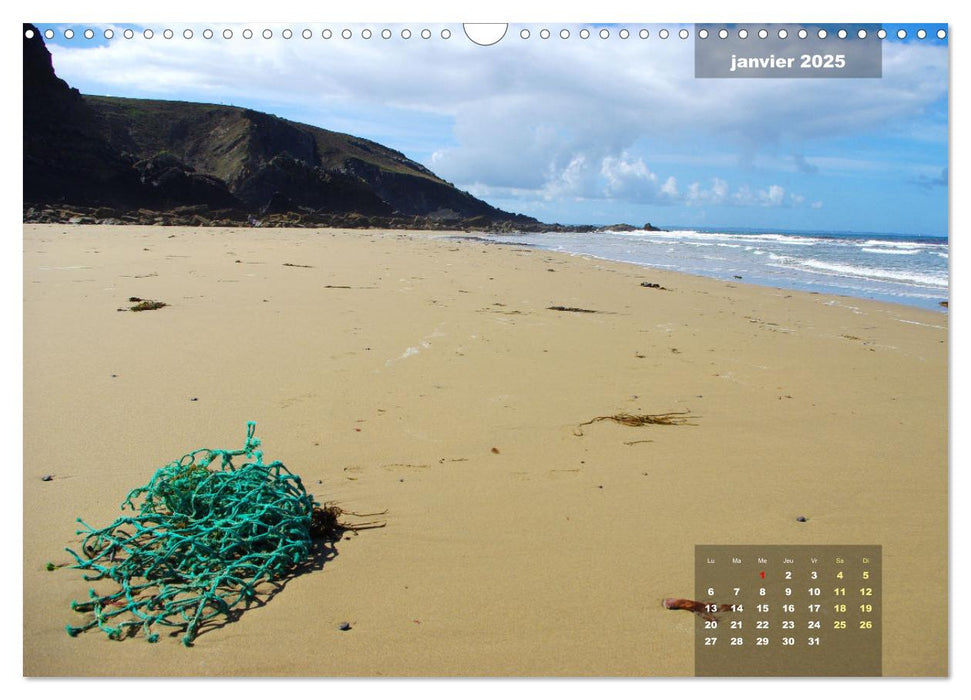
(579, 130)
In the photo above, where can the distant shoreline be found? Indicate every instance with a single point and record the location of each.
(907, 270)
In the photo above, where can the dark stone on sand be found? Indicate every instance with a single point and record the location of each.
(146, 304)
(47, 477)
(801, 519)
(344, 626)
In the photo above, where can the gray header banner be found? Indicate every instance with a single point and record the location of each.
(788, 51)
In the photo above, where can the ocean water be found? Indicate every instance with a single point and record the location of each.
(909, 270)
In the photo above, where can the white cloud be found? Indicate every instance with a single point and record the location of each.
(743, 196)
(775, 196)
(572, 182)
(670, 188)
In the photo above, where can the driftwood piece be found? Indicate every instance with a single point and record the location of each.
(572, 309)
(705, 610)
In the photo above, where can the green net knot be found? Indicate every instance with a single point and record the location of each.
(206, 533)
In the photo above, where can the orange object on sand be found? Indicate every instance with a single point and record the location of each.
(705, 610)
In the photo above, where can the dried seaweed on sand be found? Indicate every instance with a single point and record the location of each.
(325, 522)
(634, 421)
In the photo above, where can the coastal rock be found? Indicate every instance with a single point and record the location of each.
(135, 161)
(278, 204)
(130, 155)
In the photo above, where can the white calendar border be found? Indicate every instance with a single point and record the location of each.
(494, 11)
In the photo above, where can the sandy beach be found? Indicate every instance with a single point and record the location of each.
(426, 375)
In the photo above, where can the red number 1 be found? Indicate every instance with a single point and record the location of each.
(762, 574)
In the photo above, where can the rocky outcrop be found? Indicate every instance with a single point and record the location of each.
(309, 186)
(177, 184)
(129, 155)
(90, 159)
(65, 159)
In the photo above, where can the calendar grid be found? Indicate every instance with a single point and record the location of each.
(788, 610)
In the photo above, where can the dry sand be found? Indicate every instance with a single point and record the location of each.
(392, 365)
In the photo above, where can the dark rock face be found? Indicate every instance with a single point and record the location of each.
(419, 195)
(39, 77)
(177, 184)
(279, 204)
(309, 186)
(64, 158)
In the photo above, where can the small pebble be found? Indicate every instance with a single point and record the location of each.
(47, 477)
(801, 519)
(344, 626)
(194, 398)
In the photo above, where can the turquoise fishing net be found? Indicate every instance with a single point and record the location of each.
(203, 536)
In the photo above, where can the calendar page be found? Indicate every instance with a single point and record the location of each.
(364, 346)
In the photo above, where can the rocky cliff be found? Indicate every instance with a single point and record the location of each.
(148, 158)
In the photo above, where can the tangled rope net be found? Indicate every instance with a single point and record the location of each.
(205, 535)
